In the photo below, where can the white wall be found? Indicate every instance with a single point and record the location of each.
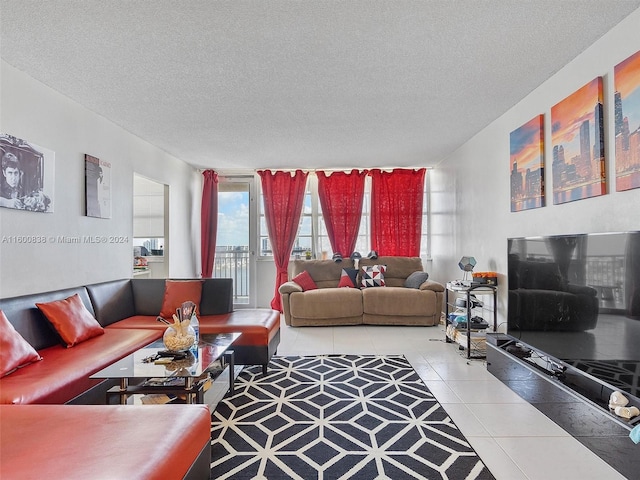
(471, 200)
(38, 114)
(470, 190)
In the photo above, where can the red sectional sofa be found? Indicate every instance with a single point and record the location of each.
(118, 306)
(105, 441)
(127, 309)
(79, 440)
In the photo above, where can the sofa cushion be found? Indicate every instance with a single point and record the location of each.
(15, 352)
(325, 273)
(326, 303)
(373, 276)
(416, 279)
(398, 301)
(30, 322)
(63, 373)
(112, 301)
(154, 442)
(71, 319)
(305, 281)
(257, 325)
(348, 278)
(217, 296)
(148, 294)
(398, 268)
(176, 292)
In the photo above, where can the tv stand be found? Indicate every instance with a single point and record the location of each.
(576, 402)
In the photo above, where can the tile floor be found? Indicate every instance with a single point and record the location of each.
(513, 438)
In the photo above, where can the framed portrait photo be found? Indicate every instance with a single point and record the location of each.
(27, 175)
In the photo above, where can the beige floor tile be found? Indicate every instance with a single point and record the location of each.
(515, 420)
(497, 460)
(543, 458)
(484, 391)
(510, 435)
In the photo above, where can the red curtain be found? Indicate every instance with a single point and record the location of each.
(283, 195)
(208, 222)
(341, 195)
(396, 211)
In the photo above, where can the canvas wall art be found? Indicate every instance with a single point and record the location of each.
(577, 136)
(527, 165)
(627, 122)
(97, 187)
(27, 175)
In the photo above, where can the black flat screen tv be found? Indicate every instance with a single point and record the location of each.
(577, 299)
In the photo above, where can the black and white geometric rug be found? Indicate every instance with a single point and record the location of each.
(337, 417)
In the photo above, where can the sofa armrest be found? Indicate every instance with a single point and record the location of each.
(582, 290)
(289, 287)
(432, 285)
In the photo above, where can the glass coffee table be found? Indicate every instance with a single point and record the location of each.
(146, 372)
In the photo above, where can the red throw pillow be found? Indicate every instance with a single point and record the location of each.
(305, 281)
(15, 351)
(71, 319)
(176, 292)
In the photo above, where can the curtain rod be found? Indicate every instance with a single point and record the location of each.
(311, 170)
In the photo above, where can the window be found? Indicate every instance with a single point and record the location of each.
(312, 233)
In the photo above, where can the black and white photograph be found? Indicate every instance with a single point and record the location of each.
(27, 175)
(97, 187)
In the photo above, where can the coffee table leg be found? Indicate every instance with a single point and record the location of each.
(188, 386)
(230, 359)
(124, 384)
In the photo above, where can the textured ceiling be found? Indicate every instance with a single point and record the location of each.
(246, 84)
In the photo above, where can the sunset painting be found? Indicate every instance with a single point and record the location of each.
(577, 137)
(627, 122)
(527, 165)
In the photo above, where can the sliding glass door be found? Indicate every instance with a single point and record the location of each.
(235, 244)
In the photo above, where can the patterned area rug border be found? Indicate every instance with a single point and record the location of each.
(337, 417)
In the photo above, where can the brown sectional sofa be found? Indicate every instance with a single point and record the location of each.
(393, 304)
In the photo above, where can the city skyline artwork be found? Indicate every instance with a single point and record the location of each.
(577, 137)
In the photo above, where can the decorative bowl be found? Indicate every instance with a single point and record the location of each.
(179, 340)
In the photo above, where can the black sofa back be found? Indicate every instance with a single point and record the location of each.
(217, 296)
(120, 299)
(29, 321)
(112, 301)
(108, 302)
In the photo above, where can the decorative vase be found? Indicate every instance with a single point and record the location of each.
(179, 340)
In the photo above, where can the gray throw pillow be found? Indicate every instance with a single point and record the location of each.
(416, 279)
